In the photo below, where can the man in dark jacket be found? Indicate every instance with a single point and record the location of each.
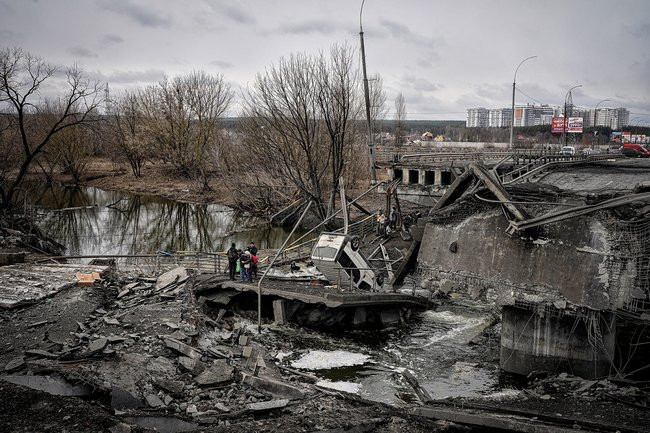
(233, 256)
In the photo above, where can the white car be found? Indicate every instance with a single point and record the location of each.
(338, 257)
(568, 150)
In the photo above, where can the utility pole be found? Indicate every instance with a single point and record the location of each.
(512, 121)
(566, 119)
(366, 91)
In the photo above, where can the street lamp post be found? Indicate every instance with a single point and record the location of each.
(366, 91)
(595, 116)
(566, 137)
(514, 80)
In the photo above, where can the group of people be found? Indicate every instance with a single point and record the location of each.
(243, 262)
(386, 225)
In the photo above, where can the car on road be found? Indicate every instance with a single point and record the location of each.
(634, 150)
(568, 150)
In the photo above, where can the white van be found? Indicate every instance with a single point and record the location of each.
(568, 150)
(338, 257)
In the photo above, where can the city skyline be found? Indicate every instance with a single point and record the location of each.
(429, 52)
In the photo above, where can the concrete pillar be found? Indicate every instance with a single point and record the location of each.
(279, 312)
(437, 178)
(532, 340)
(421, 174)
(405, 176)
(359, 316)
(391, 174)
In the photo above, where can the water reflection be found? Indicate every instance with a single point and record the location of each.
(90, 221)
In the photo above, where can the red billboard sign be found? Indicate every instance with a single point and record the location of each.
(557, 125)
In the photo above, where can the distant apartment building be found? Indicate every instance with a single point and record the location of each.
(528, 115)
(615, 118)
(477, 117)
(532, 115)
(499, 117)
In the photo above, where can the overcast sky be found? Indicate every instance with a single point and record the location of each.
(443, 55)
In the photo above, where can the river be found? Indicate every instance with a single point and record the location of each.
(91, 221)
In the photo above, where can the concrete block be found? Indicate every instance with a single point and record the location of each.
(279, 312)
(182, 348)
(267, 405)
(219, 372)
(272, 386)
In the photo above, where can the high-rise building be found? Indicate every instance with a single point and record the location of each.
(499, 117)
(477, 117)
(531, 115)
(615, 118)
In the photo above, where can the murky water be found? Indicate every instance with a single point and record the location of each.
(439, 348)
(90, 221)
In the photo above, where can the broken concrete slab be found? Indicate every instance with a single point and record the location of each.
(120, 428)
(175, 276)
(172, 386)
(15, 364)
(272, 386)
(192, 365)
(182, 348)
(28, 283)
(267, 405)
(154, 401)
(96, 346)
(218, 372)
(122, 399)
(51, 385)
(40, 353)
(111, 321)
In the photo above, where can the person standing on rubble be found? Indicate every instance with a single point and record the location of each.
(245, 266)
(233, 256)
(381, 224)
(253, 250)
(393, 218)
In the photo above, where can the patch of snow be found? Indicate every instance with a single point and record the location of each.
(503, 394)
(541, 241)
(326, 359)
(350, 387)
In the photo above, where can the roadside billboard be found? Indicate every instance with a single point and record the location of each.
(557, 125)
(574, 125)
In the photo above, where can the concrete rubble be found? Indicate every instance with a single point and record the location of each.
(145, 346)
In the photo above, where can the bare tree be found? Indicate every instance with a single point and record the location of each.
(300, 121)
(127, 130)
(182, 115)
(400, 119)
(21, 77)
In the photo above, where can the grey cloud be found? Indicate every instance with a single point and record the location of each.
(80, 51)
(130, 77)
(111, 39)
(6, 8)
(400, 31)
(420, 84)
(238, 15)
(641, 30)
(141, 14)
(221, 64)
(310, 27)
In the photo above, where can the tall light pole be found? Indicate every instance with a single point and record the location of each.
(366, 91)
(566, 137)
(596, 110)
(514, 80)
